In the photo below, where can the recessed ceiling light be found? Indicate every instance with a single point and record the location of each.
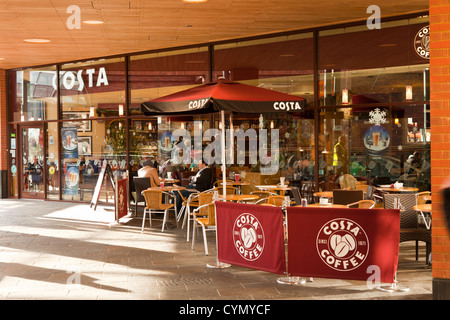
(93, 22)
(194, 1)
(36, 40)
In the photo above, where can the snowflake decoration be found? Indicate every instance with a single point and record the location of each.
(377, 117)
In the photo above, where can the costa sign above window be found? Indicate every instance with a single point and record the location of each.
(74, 80)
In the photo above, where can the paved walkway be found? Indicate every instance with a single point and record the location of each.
(58, 250)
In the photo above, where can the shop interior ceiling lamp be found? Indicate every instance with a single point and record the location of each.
(409, 94)
(120, 109)
(345, 96)
(91, 112)
(93, 22)
(37, 41)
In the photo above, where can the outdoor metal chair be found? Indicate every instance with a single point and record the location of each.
(409, 227)
(346, 197)
(204, 217)
(366, 204)
(154, 201)
(140, 184)
(297, 196)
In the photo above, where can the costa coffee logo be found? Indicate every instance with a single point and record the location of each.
(342, 244)
(197, 104)
(248, 236)
(422, 42)
(74, 80)
(287, 106)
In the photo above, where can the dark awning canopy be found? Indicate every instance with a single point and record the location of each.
(224, 95)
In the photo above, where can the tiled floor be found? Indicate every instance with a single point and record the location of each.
(56, 250)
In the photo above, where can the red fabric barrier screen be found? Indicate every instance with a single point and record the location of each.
(251, 236)
(343, 243)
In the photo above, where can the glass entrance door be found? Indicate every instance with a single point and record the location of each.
(32, 162)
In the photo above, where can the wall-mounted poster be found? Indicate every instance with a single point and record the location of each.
(85, 146)
(71, 178)
(69, 140)
(376, 139)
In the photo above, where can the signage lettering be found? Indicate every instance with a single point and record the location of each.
(342, 244)
(71, 79)
(197, 104)
(422, 42)
(288, 106)
(248, 237)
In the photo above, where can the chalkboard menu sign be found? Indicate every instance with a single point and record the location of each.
(106, 168)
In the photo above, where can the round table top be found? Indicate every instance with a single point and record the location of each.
(328, 205)
(167, 188)
(170, 180)
(423, 207)
(325, 194)
(401, 189)
(273, 187)
(234, 183)
(238, 197)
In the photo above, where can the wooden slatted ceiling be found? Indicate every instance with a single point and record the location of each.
(139, 25)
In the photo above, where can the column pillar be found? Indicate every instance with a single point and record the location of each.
(440, 142)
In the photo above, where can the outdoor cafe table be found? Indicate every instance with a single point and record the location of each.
(282, 189)
(170, 181)
(238, 197)
(325, 194)
(399, 189)
(167, 189)
(328, 205)
(425, 209)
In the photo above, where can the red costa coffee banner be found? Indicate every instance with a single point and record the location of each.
(251, 236)
(121, 198)
(343, 243)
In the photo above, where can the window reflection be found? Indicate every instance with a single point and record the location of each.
(379, 143)
(85, 152)
(92, 89)
(34, 94)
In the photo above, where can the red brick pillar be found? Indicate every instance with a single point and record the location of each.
(440, 141)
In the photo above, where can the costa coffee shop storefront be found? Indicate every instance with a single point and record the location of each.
(370, 86)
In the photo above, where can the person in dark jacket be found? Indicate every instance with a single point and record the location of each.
(200, 182)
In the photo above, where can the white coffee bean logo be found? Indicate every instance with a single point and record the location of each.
(342, 244)
(248, 236)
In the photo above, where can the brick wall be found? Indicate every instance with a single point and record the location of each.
(440, 140)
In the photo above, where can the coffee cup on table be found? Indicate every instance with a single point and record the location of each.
(169, 175)
(282, 181)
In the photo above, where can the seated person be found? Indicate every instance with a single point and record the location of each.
(201, 182)
(148, 170)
